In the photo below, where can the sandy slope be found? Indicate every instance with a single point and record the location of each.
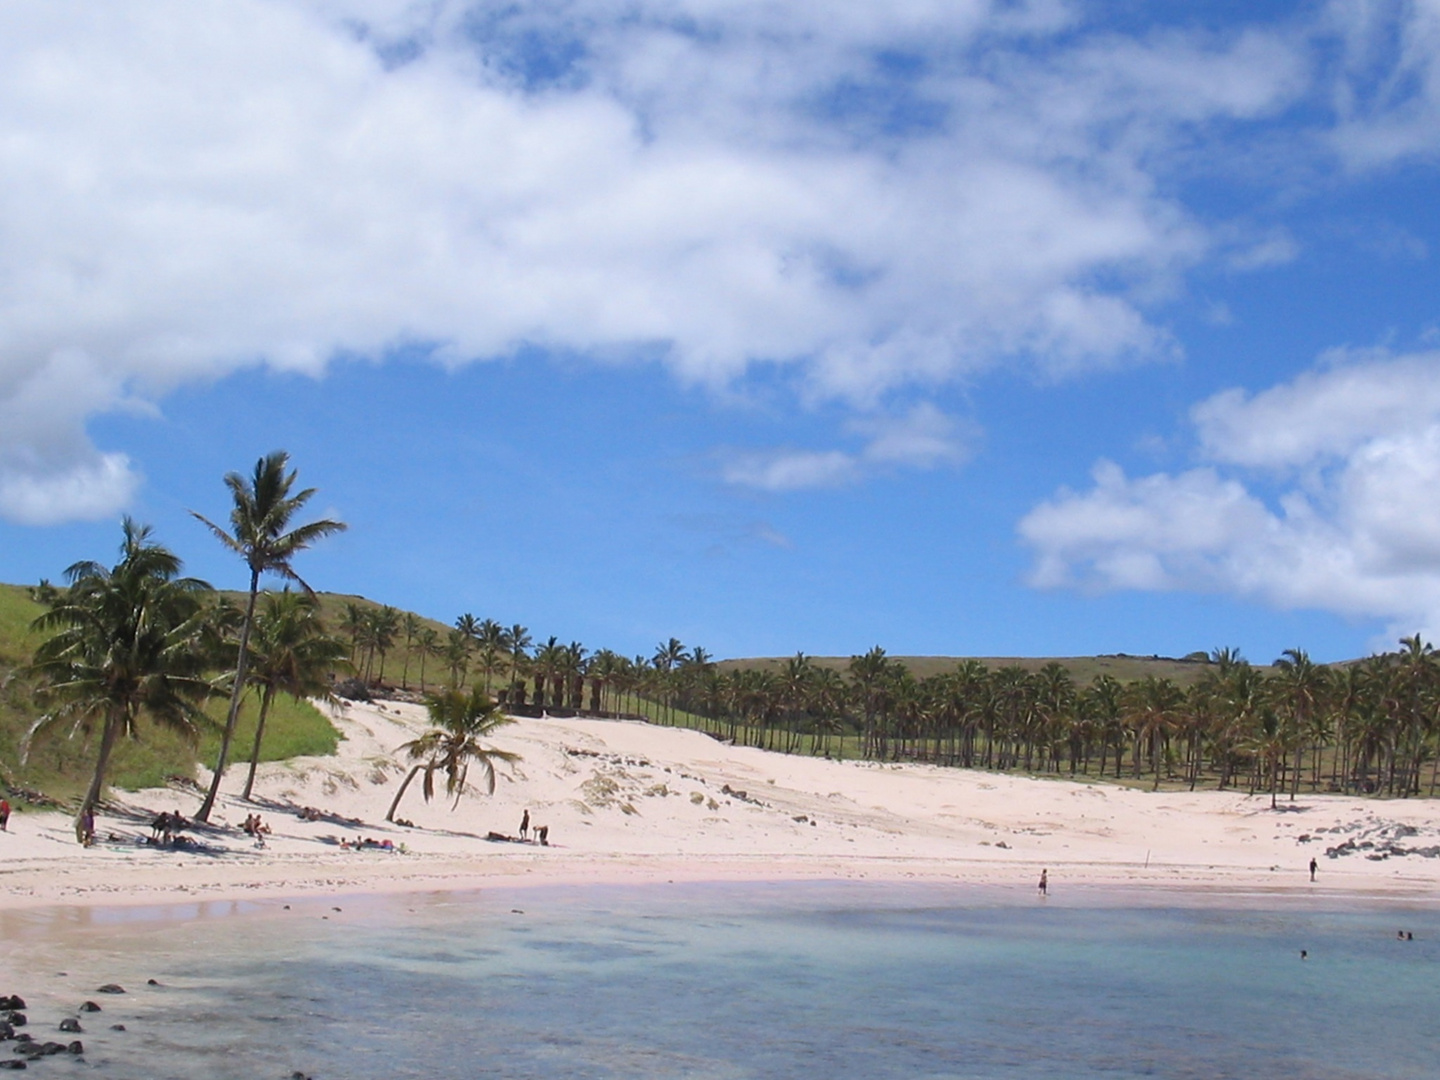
(633, 802)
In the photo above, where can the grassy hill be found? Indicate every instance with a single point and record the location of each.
(60, 766)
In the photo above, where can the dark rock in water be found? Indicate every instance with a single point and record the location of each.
(24, 1037)
(52, 1048)
(14, 1001)
(13, 1063)
(6, 1031)
(110, 988)
(15, 1018)
(152, 982)
(117, 1027)
(298, 1075)
(70, 1025)
(89, 1006)
(76, 1047)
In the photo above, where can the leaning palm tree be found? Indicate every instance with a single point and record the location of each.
(293, 654)
(460, 720)
(126, 641)
(262, 536)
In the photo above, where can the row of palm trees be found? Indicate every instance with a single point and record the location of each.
(1372, 726)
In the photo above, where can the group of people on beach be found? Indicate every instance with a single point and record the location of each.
(367, 843)
(542, 832)
(165, 829)
(256, 828)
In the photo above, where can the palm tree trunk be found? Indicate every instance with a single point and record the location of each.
(390, 814)
(203, 814)
(97, 782)
(265, 700)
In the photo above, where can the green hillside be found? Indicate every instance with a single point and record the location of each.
(59, 766)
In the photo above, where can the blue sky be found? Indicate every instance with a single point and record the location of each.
(979, 328)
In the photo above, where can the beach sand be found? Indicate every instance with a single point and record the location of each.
(636, 803)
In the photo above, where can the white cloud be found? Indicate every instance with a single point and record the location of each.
(1322, 415)
(1353, 526)
(190, 188)
(98, 486)
(923, 438)
(1388, 96)
(790, 470)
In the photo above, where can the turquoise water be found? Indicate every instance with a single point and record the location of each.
(778, 982)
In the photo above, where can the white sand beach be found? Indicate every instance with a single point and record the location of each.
(630, 802)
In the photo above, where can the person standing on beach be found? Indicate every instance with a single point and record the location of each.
(4, 815)
(525, 825)
(1044, 883)
(1313, 867)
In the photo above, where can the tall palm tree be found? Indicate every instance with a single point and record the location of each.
(293, 654)
(460, 721)
(384, 626)
(428, 642)
(261, 535)
(410, 628)
(493, 644)
(1299, 686)
(518, 639)
(457, 655)
(126, 641)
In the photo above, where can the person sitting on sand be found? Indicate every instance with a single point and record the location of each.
(261, 827)
(249, 827)
(159, 827)
(543, 834)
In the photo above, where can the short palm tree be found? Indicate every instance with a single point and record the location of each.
(460, 720)
(262, 536)
(126, 641)
(292, 654)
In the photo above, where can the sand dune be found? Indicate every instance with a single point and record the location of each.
(632, 802)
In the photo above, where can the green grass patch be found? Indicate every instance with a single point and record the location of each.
(293, 729)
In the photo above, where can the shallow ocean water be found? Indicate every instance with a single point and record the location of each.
(776, 982)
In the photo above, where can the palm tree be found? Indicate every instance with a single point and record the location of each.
(293, 655)
(518, 638)
(460, 721)
(410, 628)
(493, 643)
(428, 640)
(549, 663)
(126, 641)
(1299, 686)
(457, 655)
(384, 626)
(261, 536)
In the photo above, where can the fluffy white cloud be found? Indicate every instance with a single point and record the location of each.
(1335, 508)
(878, 195)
